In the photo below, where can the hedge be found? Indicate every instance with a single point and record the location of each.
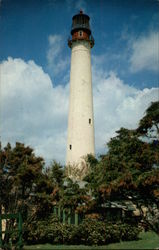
(89, 232)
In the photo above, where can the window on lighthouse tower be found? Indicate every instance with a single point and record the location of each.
(80, 33)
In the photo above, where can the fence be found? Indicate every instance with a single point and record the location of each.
(10, 232)
(68, 216)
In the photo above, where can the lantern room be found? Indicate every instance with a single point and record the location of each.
(80, 21)
(81, 29)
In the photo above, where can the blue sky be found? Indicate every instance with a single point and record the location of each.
(26, 25)
(33, 34)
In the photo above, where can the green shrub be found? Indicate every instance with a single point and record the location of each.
(112, 233)
(89, 232)
(129, 232)
(92, 232)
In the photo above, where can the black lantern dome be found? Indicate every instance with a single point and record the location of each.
(80, 21)
(80, 29)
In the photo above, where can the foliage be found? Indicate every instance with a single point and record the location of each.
(24, 187)
(129, 171)
(89, 232)
(72, 196)
(148, 240)
(150, 121)
(100, 233)
(56, 173)
(131, 166)
(21, 174)
(48, 230)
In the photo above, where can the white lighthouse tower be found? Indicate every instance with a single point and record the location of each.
(80, 141)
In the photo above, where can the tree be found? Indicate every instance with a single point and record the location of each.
(131, 166)
(73, 196)
(149, 124)
(56, 173)
(24, 186)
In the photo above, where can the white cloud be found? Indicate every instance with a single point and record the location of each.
(56, 63)
(33, 111)
(145, 53)
(120, 105)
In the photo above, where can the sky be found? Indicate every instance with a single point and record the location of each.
(35, 69)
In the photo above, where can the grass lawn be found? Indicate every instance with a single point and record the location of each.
(148, 240)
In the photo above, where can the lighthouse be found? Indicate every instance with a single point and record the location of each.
(80, 137)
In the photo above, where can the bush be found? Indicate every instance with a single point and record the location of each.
(42, 231)
(89, 232)
(112, 233)
(129, 232)
(92, 232)
(49, 231)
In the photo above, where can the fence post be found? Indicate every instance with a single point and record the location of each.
(64, 216)
(59, 213)
(54, 210)
(76, 219)
(20, 230)
(69, 216)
